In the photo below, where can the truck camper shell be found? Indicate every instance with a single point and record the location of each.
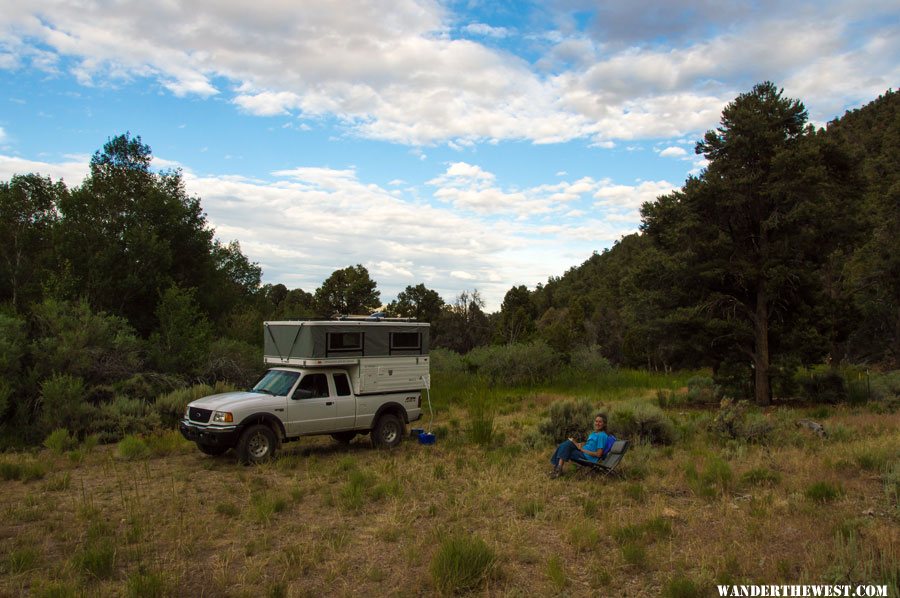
(380, 355)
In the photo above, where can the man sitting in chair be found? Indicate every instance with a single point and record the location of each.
(590, 450)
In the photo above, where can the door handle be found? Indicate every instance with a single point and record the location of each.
(329, 402)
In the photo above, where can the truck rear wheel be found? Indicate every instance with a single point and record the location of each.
(257, 444)
(388, 431)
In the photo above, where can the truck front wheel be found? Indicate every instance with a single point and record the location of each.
(257, 444)
(388, 431)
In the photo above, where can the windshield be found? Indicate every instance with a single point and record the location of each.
(276, 382)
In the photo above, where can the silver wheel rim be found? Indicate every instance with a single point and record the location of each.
(258, 445)
(389, 433)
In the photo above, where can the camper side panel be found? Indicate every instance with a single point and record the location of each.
(392, 374)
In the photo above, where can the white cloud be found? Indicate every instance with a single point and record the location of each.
(487, 30)
(73, 171)
(2, 135)
(673, 152)
(629, 198)
(392, 70)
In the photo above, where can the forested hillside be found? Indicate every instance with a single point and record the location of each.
(683, 293)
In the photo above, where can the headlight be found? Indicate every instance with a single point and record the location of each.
(222, 417)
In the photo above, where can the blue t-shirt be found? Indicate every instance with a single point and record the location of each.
(595, 442)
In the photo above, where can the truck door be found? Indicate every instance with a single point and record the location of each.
(311, 408)
(345, 416)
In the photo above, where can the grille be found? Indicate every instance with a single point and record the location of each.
(200, 415)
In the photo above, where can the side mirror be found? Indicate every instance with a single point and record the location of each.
(302, 393)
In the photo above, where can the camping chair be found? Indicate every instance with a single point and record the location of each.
(610, 463)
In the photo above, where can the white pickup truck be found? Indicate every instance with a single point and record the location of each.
(332, 377)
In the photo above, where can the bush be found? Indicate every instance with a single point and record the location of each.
(181, 344)
(462, 563)
(63, 404)
(445, 361)
(568, 418)
(732, 422)
(60, 441)
(886, 386)
(97, 348)
(123, 416)
(641, 422)
(589, 360)
(232, 360)
(146, 386)
(132, 448)
(516, 364)
(824, 387)
(702, 390)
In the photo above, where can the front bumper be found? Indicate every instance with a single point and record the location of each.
(226, 436)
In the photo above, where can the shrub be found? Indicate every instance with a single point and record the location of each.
(886, 386)
(568, 418)
(702, 390)
(824, 387)
(516, 364)
(60, 441)
(462, 563)
(182, 341)
(146, 386)
(589, 360)
(95, 347)
(445, 361)
(641, 422)
(232, 360)
(63, 404)
(121, 417)
(132, 448)
(732, 422)
(714, 479)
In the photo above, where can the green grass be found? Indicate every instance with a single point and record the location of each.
(823, 492)
(59, 441)
(132, 448)
(556, 573)
(462, 563)
(24, 472)
(97, 559)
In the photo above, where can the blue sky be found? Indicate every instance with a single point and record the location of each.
(459, 144)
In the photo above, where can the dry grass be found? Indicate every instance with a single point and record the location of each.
(335, 520)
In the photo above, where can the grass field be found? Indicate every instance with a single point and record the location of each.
(155, 517)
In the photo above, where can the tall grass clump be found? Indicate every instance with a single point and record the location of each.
(132, 448)
(481, 421)
(568, 418)
(60, 440)
(462, 563)
(641, 422)
(517, 364)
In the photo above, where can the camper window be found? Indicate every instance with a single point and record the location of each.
(406, 341)
(345, 341)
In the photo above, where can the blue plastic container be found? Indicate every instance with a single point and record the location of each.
(416, 431)
(426, 438)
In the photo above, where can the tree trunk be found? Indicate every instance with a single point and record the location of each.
(761, 355)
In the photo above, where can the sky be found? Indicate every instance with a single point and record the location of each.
(463, 145)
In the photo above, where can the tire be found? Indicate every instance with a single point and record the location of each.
(258, 444)
(388, 431)
(212, 449)
(344, 437)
